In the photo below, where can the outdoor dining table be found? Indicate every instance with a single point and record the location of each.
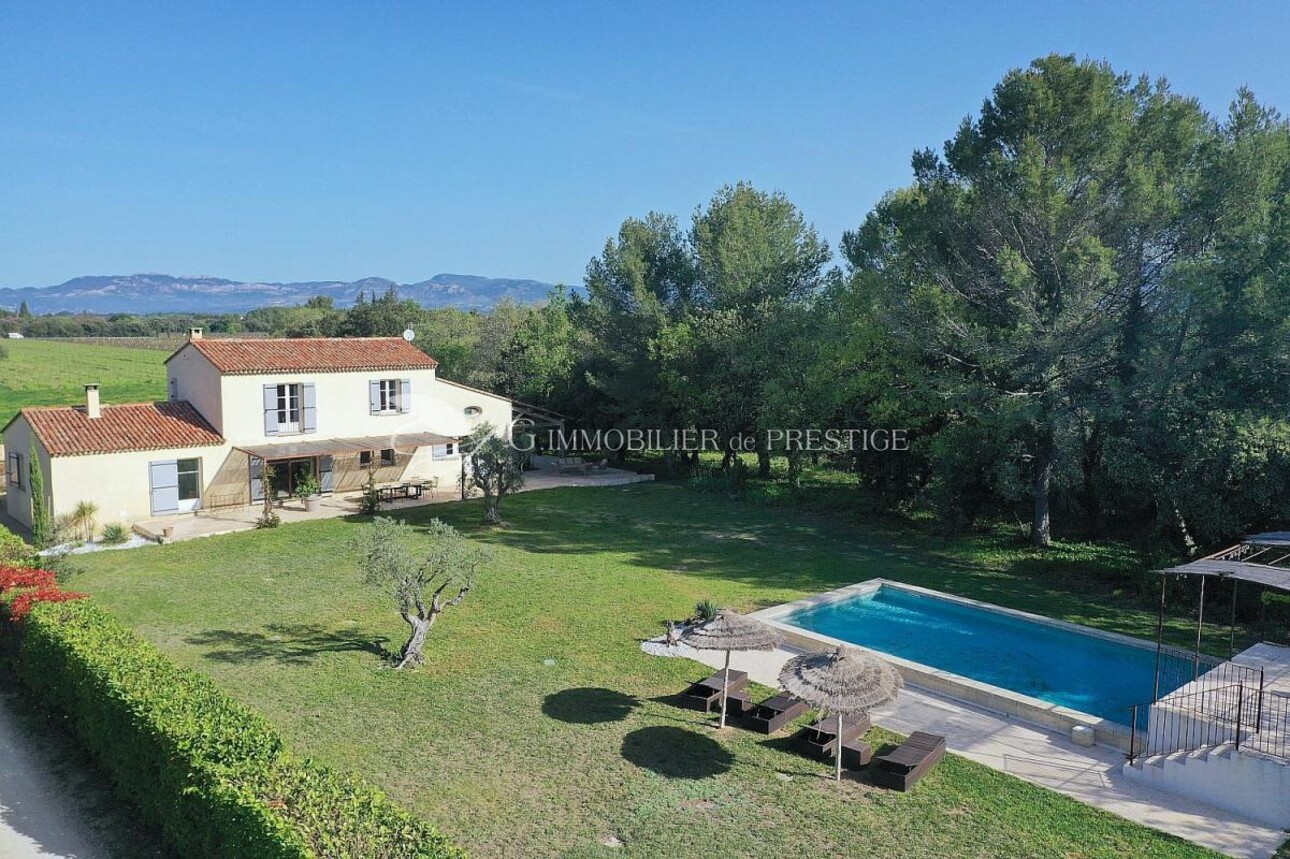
(402, 490)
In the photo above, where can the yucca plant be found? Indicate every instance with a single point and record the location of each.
(83, 519)
(706, 609)
(114, 534)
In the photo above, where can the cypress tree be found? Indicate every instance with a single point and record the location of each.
(42, 521)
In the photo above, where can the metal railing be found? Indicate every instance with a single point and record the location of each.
(1176, 668)
(1244, 714)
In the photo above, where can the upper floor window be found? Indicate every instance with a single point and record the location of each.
(473, 411)
(389, 396)
(290, 407)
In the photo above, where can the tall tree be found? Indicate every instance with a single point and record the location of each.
(642, 281)
(1028, 261)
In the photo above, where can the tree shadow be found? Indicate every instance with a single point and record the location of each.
(296, 643)
(590, 705)
(676, 753)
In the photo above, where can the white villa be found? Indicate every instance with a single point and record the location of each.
(335, 408)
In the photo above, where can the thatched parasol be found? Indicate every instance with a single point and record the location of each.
(730, 631)
(845, 681)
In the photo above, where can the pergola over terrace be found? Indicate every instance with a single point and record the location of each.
(1260, 559)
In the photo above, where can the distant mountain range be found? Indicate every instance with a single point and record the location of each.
(164, 293)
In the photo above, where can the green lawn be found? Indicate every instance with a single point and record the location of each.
(54, 373)
(539, 728)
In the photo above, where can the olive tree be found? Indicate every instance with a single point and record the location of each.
(422, 587)
(495, 468)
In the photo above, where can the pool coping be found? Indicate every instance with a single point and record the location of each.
(1004, 701)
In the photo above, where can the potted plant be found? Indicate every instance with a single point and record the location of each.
(309, 491)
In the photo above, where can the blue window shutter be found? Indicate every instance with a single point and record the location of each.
(326, 475)
(163, 485)
(405, 396)
(270, 409)
(257, 478)
(309, 408)
(374, 397)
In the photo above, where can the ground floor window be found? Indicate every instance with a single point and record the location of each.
(444, 451)
(15, 470)
(190, 479)
(387, 456)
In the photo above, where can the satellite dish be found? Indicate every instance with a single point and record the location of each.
(409, 335)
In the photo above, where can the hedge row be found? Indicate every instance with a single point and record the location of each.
(211, 774)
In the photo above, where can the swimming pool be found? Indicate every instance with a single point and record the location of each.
(1085, 671)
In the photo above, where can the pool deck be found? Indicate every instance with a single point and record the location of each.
(1043, 757)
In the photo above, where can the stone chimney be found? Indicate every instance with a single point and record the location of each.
(92, 409)
(194, 334)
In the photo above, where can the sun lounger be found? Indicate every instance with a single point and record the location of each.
(856, 754)
(774, 713)
(901, 768)
(706, 694)
(819, 740)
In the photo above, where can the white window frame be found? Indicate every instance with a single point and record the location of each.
(444, 451)
(390, 397)
(290, 401)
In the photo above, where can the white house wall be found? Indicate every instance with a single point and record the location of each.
(17, 439)
(342, 406)
(118, 482)
(191, 377)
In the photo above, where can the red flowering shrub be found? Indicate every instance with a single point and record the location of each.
(12, 578)
(21, 605)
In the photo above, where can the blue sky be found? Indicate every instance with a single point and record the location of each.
(277, 141)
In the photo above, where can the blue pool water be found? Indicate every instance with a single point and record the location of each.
(1062, 666)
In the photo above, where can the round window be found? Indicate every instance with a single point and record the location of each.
(473, 411)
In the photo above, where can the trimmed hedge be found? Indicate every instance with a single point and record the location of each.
(211, 774)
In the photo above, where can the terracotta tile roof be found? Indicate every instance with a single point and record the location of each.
(68, 431)
(311, 355)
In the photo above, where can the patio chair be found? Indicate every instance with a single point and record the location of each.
(774, 713)
(706, 694)
(901, 768)
(820, 739)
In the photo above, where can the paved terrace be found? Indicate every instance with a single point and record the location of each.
(1042, 757)
(228, 520)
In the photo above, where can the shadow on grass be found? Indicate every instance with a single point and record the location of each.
(292, 643)
(591, 705)
(676, 753)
